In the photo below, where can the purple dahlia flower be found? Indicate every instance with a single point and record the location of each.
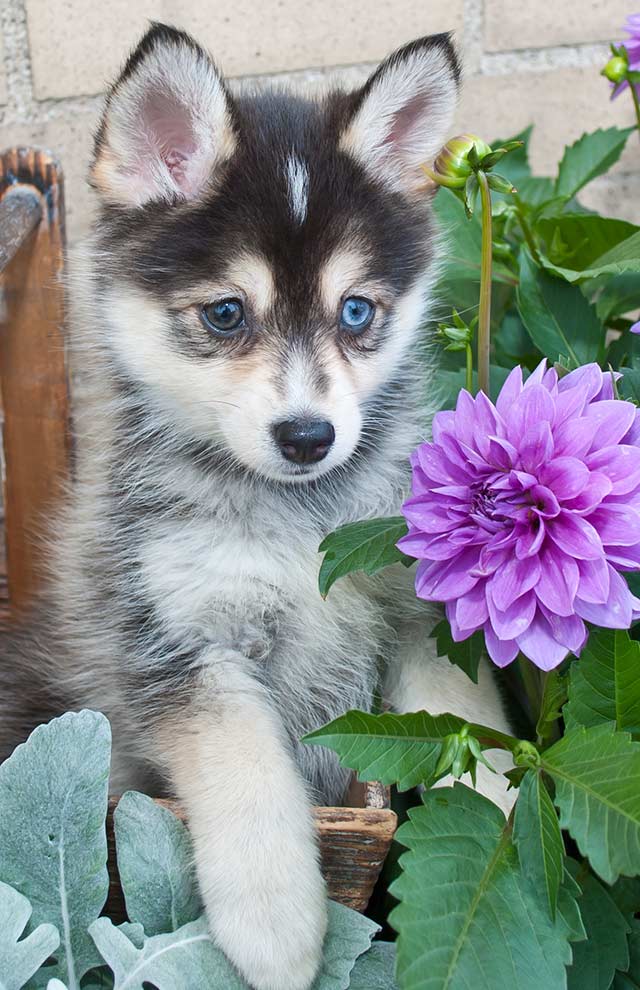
(632, 44)
(523, 513)
(635, 328)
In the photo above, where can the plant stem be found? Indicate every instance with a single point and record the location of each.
(636, 103)
(484, 322)
(469, 381)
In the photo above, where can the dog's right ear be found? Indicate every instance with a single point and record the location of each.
(167, 124)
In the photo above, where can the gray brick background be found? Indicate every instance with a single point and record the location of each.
(524, 63)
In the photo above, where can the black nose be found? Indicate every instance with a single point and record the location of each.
(304, 441)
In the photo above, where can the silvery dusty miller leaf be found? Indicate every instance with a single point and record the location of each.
(375, 969)
(20, 958)
(349, 935)
(155, 863)
(183, 960)
(53, 803)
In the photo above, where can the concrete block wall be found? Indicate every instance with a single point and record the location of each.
(524, 63)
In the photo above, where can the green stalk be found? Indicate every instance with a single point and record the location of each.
(484, 315)
(636, 103)
(526, 230)
(469, 381)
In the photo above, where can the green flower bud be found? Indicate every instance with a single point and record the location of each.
(526, 755)
(457, 160)
(616, 69)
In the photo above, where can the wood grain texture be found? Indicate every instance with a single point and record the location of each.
(354, 843)
(33, 374)
(20, 214)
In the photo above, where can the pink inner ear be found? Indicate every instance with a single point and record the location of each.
(168, 127)
(401, 135)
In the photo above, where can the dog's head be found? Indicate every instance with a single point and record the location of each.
(264, 258)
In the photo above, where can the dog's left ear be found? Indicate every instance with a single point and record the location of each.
(404, 112)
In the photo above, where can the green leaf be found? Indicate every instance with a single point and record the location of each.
(630, 979)
(576, 242)
(466, 655)
(617, 295)
(463, 244)
(156, 874)
(554, 695)
(597, 776)
(396, 749)
(605, 684)
(538, 839)
(619, 260)
(626, 893)
(467, 918)
(348, 937)
(591, 155)
(53, 804)
(605, 948)
(558, 317)
(629, 385)
(361, 546)
(21, 958)
(515, 166)
(375, 969)
(180, 960)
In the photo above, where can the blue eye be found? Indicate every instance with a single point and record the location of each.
(357, 314)
(223, 317)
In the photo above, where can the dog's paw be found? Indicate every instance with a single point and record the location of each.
(274, 934)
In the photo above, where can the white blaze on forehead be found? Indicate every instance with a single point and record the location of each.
(298, 187)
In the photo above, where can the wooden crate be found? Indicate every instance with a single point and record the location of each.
(354, 840)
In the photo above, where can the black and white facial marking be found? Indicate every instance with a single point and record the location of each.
(267, 257)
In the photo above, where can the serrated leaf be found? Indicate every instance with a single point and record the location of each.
(605, 949)
(466, 655)
(626, 893)
(597, 776)
(180, 960)
(605, 683)
(466, 917)
(537, 836)
(557, 316)
(53, 804)
(394, 749)
(157, 876)
(361, 546)
(375, 969)
(593, 245)
(21, 957)
(590, 156)
(554, 696)
(630, 980)
(463, 244)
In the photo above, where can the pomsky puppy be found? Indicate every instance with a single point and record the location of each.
(247, 317)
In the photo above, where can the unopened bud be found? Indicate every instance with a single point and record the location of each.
(457, 160)
(616, 69)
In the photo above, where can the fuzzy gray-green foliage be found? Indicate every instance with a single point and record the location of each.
(53, 801)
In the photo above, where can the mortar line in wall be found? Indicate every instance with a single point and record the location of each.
(17, 61)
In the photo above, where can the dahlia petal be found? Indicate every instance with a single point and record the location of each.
(545, 503)
(573, 438)
(607, 391)
(430, 548)
(569, 405)
(443, 422)
(465, 416)
(587, 380)
(534, 405)
(633, 436)
(530, 542)
(568, 630)
(624, 558)
(596, 489)
(515, 619)
(566, 476)
(512, 580)
(471, 609)
(536, 446)
(501, 453)
(575, 536)
(610, 420)
(437, 468)
(616, 612)
(509, 392)
(618, 525)
(440, 582)
(593, 586)
(427, 516)
(558, 582)
(621, 464)
(537, 375)
(540, 645)
(502, 652)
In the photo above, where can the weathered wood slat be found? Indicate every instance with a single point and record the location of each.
(20, 214)
(354, 843)
(33, 374)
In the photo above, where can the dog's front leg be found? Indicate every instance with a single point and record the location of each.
(252, 828)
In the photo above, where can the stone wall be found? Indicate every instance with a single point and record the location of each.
(524, 63)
